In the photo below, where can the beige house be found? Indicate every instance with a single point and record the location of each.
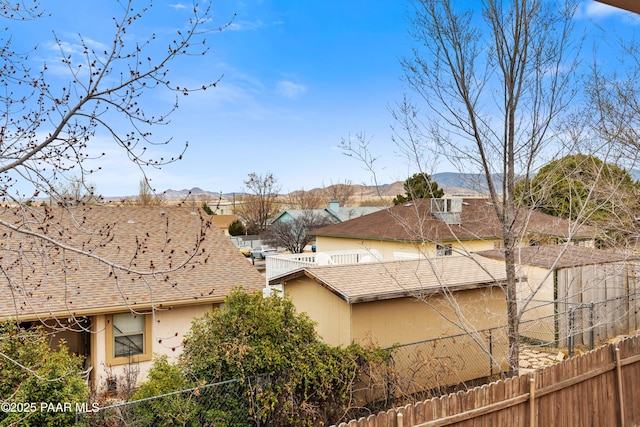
(224, 221)
(575, 291)
(402, 302)
(440, 227)
(118, 284)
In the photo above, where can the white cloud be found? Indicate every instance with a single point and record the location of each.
(245, 25)
(178, 6)
(290, 89)
(594, 9)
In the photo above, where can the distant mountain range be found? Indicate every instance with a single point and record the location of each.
(454, 183)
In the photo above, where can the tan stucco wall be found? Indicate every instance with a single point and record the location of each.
(540, 288)
(388, 248)
(536, 285)
(408, 320)
(169, 327)
(168, 330)
(396, 321)
(331, 314)
(441, 362)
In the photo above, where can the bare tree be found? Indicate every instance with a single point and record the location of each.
(49, 131)
(521, 58)
(307, 199)
(261, 203)
(76, 193)
(494, 88)
(146, 196)
(294, 235)
(341, 192)
(48, 128)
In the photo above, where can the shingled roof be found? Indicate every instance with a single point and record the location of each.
(174, 255)
(338, 214)
(561, 256)
(414, 221)
(357, 283)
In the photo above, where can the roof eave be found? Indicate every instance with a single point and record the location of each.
(426, 292)
(628, 5)
(64, 314)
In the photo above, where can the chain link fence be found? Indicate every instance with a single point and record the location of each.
(434, 367)
(414, 372)
(429, 368)
(228, 403)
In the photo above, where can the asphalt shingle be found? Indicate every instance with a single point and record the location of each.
(561, 256)
(356, 283)
(414, 222)
(130, 257)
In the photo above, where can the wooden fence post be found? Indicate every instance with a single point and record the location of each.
(532, 401)
(619, 378)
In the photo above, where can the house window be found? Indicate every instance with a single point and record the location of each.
(128, 338)
(442, 250)
(128, 335)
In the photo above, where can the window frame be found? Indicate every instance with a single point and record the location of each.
(444, 249)
(110, 334)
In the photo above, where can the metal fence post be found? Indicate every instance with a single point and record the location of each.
(591, 326)
(572, 312)
(490, 351)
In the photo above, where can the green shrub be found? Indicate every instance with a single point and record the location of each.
(237, 228)
(173, 409)
(34, 373)
(250, 337)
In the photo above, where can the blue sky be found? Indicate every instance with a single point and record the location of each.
(297, 78)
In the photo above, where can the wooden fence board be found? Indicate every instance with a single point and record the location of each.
(630, 350)
(579, 391)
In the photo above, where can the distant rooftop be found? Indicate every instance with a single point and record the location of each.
(415, 221)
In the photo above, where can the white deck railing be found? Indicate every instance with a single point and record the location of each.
(277, 265)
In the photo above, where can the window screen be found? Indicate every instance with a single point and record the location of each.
(128, 335)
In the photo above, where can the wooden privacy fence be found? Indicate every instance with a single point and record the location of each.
(593, 389)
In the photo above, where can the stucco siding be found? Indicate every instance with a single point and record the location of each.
(170, 326)
(168, 329)
(331, 314)
(537, 292)
(389, 248)
(395, 321)
(407, 320)
(386, 249)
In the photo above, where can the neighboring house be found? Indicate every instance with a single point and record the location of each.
(145, 273)
(439, 227)
(334, 213)
(404, 302)
(223, 222)
(599, 289)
